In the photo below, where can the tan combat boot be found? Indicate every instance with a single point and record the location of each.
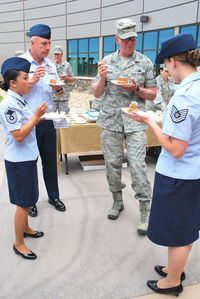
(117, 207)
(144, 217)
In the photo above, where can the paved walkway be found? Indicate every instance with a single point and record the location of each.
(83, 255)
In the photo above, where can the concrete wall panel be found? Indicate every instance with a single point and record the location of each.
(198, 14)
(11, 16)
(58, 33)
(10, 37)
(78, 14)
(52, 22)
(186, 14)
(81, 5)
(84, 17)
(122, 10)
(45, 11)
(11, 6)
(40, 3)
(8, 50)
(109, 2)
(88, 30)
(150, 5)
(14, 26)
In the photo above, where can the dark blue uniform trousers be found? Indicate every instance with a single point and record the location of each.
(46, 140)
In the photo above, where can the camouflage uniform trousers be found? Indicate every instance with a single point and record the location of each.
(59, 105)
(112, 146)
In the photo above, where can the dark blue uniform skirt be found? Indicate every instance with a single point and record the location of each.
(22, 183)
(175, 211)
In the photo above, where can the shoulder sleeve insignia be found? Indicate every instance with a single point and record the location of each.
(11, 116)
(178, 116)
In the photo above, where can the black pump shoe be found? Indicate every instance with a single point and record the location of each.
(159, 270)
(32, 211)
(28, 256)
(152, 284)
(58, 204)
(36, 235)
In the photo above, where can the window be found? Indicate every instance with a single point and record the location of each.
(150, 40)
(83, 55)
(189, 29)
(164, 35)
(151, 55)
(198, 37)
(109, 45)
(139, 42)
(147, 43)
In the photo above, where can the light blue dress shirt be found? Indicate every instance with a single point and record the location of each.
(182, 121)
(14, 113)
(40, 91)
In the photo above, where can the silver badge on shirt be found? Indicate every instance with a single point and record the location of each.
(178, 116)
(11, 116)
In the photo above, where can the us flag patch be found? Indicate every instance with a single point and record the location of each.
(178, 116)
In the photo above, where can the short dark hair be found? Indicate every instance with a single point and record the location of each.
(9, 75)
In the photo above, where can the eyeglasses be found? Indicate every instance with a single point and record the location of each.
(128, 39)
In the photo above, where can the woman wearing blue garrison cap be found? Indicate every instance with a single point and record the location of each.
(21, 148)
(175, 212)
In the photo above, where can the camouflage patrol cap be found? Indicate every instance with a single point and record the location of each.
(126, 28)
(163, 66)
(19, 52)
(57, 50)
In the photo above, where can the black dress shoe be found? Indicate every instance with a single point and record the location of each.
(28, 256)
(36, 235)
(159, 270)
(58, 204)
(32, 211)
(152, 284)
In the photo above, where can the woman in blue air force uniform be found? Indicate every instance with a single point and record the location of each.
(175, 212)
(21, 149)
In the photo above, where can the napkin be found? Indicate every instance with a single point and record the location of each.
(60, 123)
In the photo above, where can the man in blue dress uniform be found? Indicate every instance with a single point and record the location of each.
(41, 71)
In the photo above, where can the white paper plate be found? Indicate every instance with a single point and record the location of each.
(80, 121)
(53, 115)
(155, 117)
(91, 116)
(125, 110)
(56, 84)
(116, 83)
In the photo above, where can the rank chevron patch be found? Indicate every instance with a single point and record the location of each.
(178, 116)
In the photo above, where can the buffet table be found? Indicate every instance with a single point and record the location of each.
(84, 138)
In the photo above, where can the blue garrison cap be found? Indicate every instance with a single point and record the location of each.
(176, 45)
(40, 30)
(15, 63)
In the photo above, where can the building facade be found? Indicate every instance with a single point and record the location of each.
(86, 29)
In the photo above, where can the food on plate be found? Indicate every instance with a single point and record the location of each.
(132, 107)
(122, 80)
(53, 81)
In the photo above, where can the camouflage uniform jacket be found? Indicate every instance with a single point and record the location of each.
(138, 67)
(166, 88)
(64, 68)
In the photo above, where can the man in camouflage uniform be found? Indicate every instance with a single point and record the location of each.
(65, 73)
(117, 127)
(165, 90)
